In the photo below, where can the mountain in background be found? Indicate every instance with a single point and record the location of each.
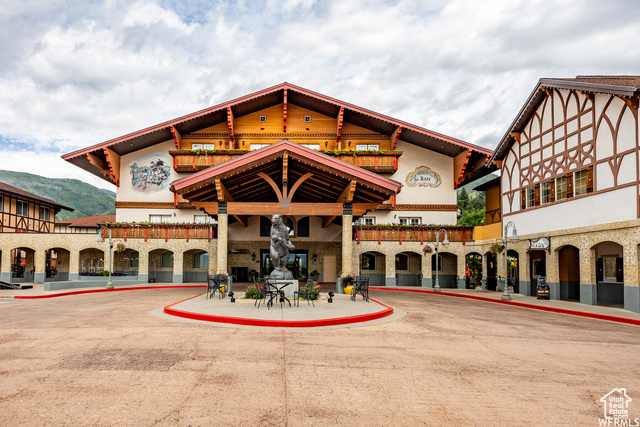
(86, 199)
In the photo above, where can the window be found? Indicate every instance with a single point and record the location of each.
(580, 183)
(307, 119)
(311, 146)
(209, 146)
(166, 260)
(409, 221)
(156, 219)
(44, 213)
(609, 268)
(531, 196)
(303, 227)
(265, 226)
(368, 261)
(561, 188)
(203, 219)
(263, 119)
(291, 225)
(258, 146)
(201, 260)
(369, 147)
(134, 259)
(196, 146)
(545, 192)
(22, 208)
(1, 204)
(369, 220)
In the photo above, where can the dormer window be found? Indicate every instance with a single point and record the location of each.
(307, 119)
(263, 119)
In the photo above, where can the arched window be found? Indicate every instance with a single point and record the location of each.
(166, 259)
(303, 227)
(201, 259)
(368, 262)
(134, 259)
(433, 262)
(291, 223)
(402, 262)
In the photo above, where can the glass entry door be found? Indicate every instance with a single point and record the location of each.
(297, 265)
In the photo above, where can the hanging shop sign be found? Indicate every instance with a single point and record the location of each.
(423, 176)
(540, 243)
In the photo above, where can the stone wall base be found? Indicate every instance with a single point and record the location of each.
(525, 288)
(390, 281)
(632, 298)
(427, 282)
(588, 293)
(554, 290)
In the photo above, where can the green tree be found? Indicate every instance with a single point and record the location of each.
(475, 217)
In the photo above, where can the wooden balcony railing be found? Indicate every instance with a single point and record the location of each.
(161, 231)
(410, 233)
(375, 161)
(491, 217)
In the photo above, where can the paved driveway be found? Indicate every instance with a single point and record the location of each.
(103, 359)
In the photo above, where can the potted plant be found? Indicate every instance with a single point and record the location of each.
(120, 248)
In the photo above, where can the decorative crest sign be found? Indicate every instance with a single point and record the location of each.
(540, 243)
(423, 176)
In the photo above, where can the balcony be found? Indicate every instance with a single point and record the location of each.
(374, 161)
(161, 231)
(410, 233)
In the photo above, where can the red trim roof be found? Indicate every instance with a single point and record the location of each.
(285, 145)
(25, 194)
(87, 221)
(285, 86)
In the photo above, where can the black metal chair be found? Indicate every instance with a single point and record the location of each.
(216, 284)
(360, 286)
(263, 289)
(302, 292)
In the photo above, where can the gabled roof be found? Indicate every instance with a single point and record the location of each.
(625, 86)
(266, 98)
(5, 188)
(296, 152)
(87, 221)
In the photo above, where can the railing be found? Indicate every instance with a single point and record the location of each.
(375, 161)
(158, 231)
(491, 217)
(411, 233)
(192, 161)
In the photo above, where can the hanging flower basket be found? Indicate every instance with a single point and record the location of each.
(427, 249)
(120, 248)
(497, 249)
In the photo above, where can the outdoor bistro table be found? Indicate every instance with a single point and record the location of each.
(214, 285)
(278, 292)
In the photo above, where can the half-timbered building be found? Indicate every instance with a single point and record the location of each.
(570, 183)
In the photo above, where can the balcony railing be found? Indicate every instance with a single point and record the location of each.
(410, 233)
(491, 217)
(193, 161)
(374, 161)
(162, 231)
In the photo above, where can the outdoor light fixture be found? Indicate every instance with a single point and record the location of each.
(514, 238)
(349, 144)
(326, 143)
(445, 242)
(330, 297)
(100, 239)
(231, 296)
(253, 256)
(315, 257)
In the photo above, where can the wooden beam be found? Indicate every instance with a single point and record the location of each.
(271, 183)
(340, 122)
(299, 182)
(284, 106)
(588, 95)
(285, 173)
(223, 194)
(393, 139)
(242, 219)
(459, 164)
(548, 91)
(230, 122)
(327, 220)
(113, 160)
(498, 163)
(259, 208)
(632, 102)
(515, 135)
(98, 162)
(347, 193)
(177, 138)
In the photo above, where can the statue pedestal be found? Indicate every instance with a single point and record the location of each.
(289, 290)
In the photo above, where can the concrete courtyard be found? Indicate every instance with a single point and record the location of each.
(106, 359)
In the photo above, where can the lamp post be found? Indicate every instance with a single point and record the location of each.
(101, 240)
(514, 238)
(445, 242)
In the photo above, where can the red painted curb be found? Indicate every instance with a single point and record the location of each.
(278, 323)
(521, 304)
(92, 291)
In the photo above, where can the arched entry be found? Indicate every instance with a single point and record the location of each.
(195, 266)
(537, 268)
(91, 262)
(161, 265)
(126, 263)
(448, 269)
(22, 265)
(569, 272)
(372, 265)
(473, 262)
(408, 269)
(56, 265)
(609, 273)
(492, 271)
(513, 270)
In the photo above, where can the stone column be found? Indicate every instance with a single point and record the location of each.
(390, 270)
(500, 270)
(588, 286)
(39, 261)
(427, 281)
(5, 266)
(462, 271)
(553, 274)
(631, 285)
(178, 267)
(347, 240)
(143, 266)
(223, 237)
(523, 273)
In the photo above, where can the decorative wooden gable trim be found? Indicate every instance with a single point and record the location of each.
(394, 137)
(340, 122)
(459, 164)
(632, 102)
(100, 164)
(284, 112)
(113, 160)
(177, 138)
(230, 123)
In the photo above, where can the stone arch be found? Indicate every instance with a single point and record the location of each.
(447, 271)
(408, 268)
(161, 265)
(195, 265)
(22, 264)
(513, 269)
(609, 269)
(126, 262)
(491, 268)
(91, 260)
(57, 263)
(569, 272)
(473, 261)
(372, 265)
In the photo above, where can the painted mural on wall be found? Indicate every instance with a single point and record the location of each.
(423, 176)
(150, 173)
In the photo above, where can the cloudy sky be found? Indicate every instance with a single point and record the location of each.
(76, 73)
